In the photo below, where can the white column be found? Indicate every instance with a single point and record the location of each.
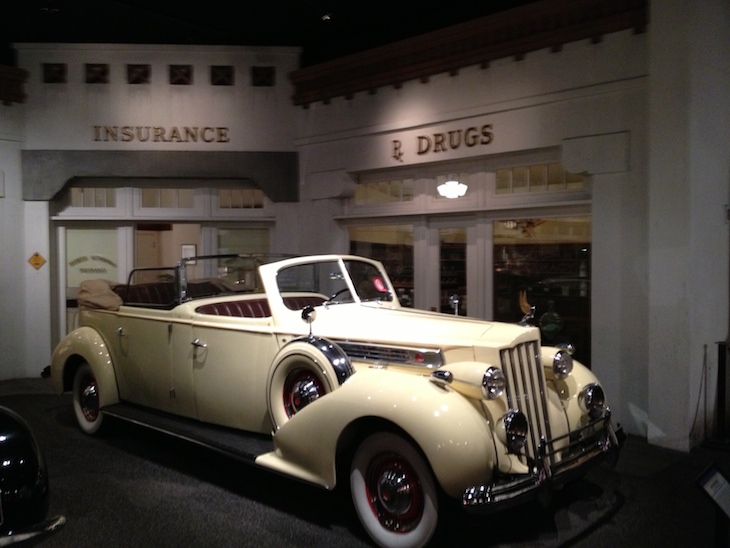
(689, 165)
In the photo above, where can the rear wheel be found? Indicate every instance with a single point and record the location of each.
(86, 400)
(393, 491)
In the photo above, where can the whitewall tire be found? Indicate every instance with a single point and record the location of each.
(393, 491)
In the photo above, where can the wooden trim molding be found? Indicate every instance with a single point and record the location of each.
(511, 33)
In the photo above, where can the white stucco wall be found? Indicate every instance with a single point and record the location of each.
(24, 293)
(588, 99)
(660, 229)
(646, 115)
(63, 116)
(254, 116)
(532, 103)
(689, 168)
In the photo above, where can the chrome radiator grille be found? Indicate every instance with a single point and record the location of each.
(526, 391)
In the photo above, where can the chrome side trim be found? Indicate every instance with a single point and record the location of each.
(431, 358)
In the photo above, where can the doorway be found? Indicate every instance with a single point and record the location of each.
(546, 264)
(110, 251)
(453, 287)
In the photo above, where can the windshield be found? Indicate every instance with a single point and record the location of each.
(328, 279)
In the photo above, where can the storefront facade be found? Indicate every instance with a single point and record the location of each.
(584, 187)
(143, 154)
(546, 152)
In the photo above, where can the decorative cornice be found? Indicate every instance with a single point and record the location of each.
(511, 33)
(11, 85)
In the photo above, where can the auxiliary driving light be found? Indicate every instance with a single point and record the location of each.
(592, 400)
(562, 364)
(493, 383)
(512, 431)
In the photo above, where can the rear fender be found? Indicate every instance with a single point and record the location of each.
(85, 344)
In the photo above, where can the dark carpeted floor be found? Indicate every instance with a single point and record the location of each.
(135, 487)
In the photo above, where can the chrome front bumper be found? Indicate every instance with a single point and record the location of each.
(593, 444)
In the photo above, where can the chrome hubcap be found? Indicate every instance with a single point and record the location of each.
(89, 399)
(395, 493)
(301, 389)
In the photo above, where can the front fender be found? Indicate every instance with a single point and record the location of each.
(85, 344)
(453, 434)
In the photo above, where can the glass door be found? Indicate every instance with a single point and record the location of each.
(452, 271)
(393, 246)
(546, 264)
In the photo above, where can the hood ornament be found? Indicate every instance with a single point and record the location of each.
(527, 310)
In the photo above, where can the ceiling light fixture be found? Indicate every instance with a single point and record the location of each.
(452, 189)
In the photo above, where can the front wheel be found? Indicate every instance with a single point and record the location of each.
(86, 400)
(393, 491)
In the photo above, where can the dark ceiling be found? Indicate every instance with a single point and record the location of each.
(324, 29)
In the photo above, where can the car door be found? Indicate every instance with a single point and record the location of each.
(230, 362)
(144, 368)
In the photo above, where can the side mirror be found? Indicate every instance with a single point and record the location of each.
(309, 314)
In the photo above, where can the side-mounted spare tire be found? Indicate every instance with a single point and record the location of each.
(303, 371)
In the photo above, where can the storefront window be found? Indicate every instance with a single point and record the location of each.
(91, 253)
(93, 197)
(243, 240)
(546, 264)
(168, 198)
(393, 246)
(240, 198)
(247, 241)
(384, 192)
(537, 178)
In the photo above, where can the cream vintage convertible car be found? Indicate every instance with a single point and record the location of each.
(311, 367)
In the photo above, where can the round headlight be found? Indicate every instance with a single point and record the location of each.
(592, 400)
(562, 364)
(493, 383)
(513, 431)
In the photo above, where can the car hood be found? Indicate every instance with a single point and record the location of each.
(381, 323)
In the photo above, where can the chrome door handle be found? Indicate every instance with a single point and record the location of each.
(120, 332)
(199, 344)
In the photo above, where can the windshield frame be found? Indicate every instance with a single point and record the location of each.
(321, 274)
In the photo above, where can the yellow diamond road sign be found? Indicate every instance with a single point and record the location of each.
(37, 261)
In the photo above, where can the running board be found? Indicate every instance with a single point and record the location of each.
(239, 444)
